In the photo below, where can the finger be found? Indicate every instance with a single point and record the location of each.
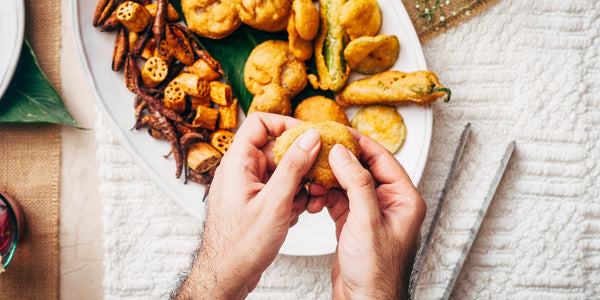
(299, 204)
(258, 127)
(338, 208)
(293, 166)
(357, 182)
(268, 150)
(317, 189)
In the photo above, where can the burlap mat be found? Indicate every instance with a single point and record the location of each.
(432, 17)
(29, 172)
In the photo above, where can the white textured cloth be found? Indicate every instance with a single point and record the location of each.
(522, 70)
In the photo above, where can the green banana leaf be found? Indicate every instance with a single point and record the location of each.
(233, 51)
(30, 97)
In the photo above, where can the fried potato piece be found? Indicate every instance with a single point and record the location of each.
(268, 15)
(331, 133)
(360, 18)
(371, 55)
(394, 88)
(383, 124)
(272, 99)
(213, 19)
(320, 109)
(272, 63)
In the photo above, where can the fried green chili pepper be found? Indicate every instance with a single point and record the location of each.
(329, 47)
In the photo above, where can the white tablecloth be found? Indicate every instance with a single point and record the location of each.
(522, 70)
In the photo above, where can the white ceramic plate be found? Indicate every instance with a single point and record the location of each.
(12, 27)
(314, 234)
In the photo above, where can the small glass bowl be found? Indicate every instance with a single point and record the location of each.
(11, 224)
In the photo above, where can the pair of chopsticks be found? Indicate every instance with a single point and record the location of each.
(417, 268)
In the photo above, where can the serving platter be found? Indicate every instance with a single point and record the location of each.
(12, 28)
(314, 234)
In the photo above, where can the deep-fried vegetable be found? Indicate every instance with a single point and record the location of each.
(160, 20)
(370, 55)
(272, 99)
(203, 70)
(172, 14)
(148, 50)
(132, 74)
(141, 41)
(175, 97)
(394, 88)
(220, 93)
(120, 51)
(155, 70)
(267, 15)
(383, 124)
(320, 109)
(111, 23)
(221, 140)
(202, 54)
(103, 10)
(213, 19)
(161, 124)
(192, 85)
(202, 157)
(133, 15)
(301, 49)
(228, 115)
(306, 19)
(329, 47)
(179, 45)
(360, 17)
(195, 101)
(206, 117)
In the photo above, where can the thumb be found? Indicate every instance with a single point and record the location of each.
(294, 164)
(357, 182)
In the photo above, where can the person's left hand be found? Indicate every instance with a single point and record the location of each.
(251, 206)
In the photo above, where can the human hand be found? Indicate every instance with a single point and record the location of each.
(377, 219)
(251, 205)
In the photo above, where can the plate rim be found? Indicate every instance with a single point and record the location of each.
(16, 54)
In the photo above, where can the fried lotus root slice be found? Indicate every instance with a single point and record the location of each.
(172, 14)
(211, 18)
(273, 99)
(220, 93)
(371, 55)
(155, 70)
(200, 102)
(360, 18)
(192, 85)
(206, 117)
(133, 15)
(203, 70)
(202, 157)
(331, 133)
(221, 140)
(267, 15)
(394, 88)
(272, 63)
(383, 124)
(320, 109)
(228, 115)
(175, 97)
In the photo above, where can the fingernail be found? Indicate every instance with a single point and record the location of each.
(309, 139)
(340, 155)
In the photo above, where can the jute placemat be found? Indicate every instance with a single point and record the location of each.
(29, 172)
(432, 17)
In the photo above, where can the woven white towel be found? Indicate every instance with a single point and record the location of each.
(523, 70)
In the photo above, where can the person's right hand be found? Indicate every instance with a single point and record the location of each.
(377, 219)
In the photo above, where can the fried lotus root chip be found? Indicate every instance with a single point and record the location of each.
(394, 88)
(174, 96)
(228, 115)
(213, 19)
(202, 157)
(206, 117)
(192, 85)
(133, 15)
(320, 109)
(220, 93)
(221, 140)
(331, 133)
(383, 124)
(371, 55)
(267, 15)
(155, 70)
(272, 63)
(360, 18)
(272, 99)
(203, 70)
(172, 14)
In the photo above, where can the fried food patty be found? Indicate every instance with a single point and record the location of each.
(331, 133)
(211, 18)
(320, 109)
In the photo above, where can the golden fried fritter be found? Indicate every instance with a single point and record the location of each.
(393, 88)
(360, 17)
(272, 99)
(372, 54)
(331, 133)
(301, 49)
(272, 63)
(320, 109)
(213, 19)
(306, 19)
(268, 15)
(383, 124)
